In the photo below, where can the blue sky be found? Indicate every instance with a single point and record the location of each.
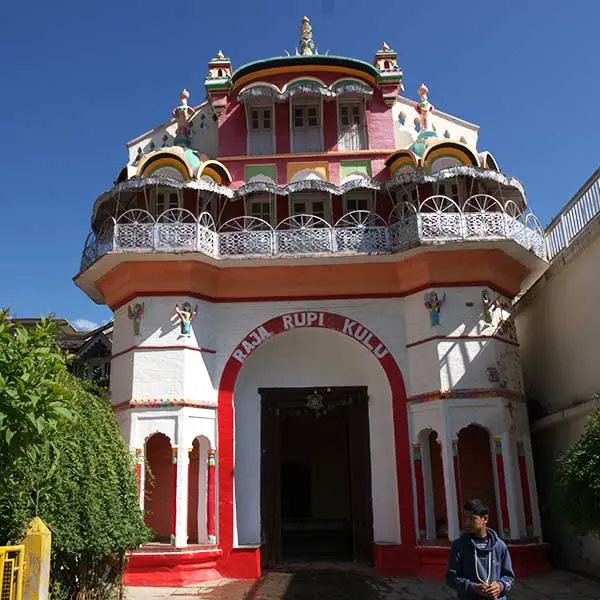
(81, 79)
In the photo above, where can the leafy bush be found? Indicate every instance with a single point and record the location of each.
(577, 485)
(66, 463)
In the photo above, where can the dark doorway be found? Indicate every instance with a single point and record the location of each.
(315, 476)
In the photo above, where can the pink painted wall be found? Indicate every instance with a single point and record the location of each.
(232, 130)
(379, 123)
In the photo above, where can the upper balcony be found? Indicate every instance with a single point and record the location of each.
(434, 220)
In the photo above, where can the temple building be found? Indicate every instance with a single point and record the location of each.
(314, 355)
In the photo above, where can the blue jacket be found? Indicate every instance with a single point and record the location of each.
(468, 565)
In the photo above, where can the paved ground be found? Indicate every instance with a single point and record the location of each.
(309, 584)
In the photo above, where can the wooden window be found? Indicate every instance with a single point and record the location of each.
(351, 126)
(310, 204)
(261, 207)
(164, 201)
(306, 128)
(260, 130)
(358, 200)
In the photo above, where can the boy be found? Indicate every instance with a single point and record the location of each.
(479, 564)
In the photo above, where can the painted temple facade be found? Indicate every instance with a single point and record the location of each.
(314, 355)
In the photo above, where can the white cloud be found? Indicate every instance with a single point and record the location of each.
(85, 325)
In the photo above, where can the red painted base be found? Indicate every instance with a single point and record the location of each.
(527, 559)
(241, 563)
(172, 568)
(394, 560)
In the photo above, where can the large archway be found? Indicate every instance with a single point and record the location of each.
(241, 559)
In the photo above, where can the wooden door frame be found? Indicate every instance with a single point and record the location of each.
(359, 458)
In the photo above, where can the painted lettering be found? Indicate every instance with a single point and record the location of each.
(311, 318)
(264, 334)
(367, 341)
(239, 355)
(321, 319)
(348, 327)
(380, 351)
(360, 333)
(254, 339)
(287, 321)
(298, 321)
(247, 346)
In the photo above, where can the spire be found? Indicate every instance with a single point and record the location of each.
(307, 45)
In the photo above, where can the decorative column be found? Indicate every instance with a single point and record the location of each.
(451, 486)
(173, 492)
(181, 494)
(420, 490)
(210, 498)
(525, 491)
(456, 469)
(502, 487)
(139, 476)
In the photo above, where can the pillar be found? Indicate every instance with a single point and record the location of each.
(501, 479)
(210, 498)
(452, 486)
(512, 488)
(140, 475)
(420, 491)
(525, 489)
(181, 524)
(173, 492)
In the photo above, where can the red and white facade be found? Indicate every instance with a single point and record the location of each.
(309, 234)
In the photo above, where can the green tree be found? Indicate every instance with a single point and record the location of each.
(577, 484)
(67, 463)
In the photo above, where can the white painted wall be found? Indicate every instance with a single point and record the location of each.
(304, 358)
(406, 134)
(558, 323)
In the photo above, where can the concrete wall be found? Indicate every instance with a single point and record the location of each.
(558, 324)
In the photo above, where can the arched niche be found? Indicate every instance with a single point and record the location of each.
(158, 504)
(197, 491)
(477, 469)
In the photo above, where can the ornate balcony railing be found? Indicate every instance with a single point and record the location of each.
(437, 219)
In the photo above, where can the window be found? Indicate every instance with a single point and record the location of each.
(260, 130)
(451, 191)
(412, 197)
(351, 127)
(358, 200)
(164, 201)
(306, 128)
(260, 207)
(310, 204)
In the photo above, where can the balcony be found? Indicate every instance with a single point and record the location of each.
(436, 220)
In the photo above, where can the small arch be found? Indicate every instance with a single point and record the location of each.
(158, 501)
(215, 171)
(476, 469)
(160, 159)
(298, 81)
(462, 153)
(307, 175)
(397, 161)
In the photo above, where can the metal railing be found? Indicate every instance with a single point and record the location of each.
(575, 215)
(11, 572)
(437, 219)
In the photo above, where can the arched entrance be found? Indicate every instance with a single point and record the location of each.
(158, 504)
(237, 532)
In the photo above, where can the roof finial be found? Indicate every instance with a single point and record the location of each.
(306, 42)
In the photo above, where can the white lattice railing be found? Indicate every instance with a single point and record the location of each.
(574, 217)
(435, 220)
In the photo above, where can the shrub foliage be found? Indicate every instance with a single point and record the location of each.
(65, 461)
(577, 485)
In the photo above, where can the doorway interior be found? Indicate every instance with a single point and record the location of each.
(315, 475)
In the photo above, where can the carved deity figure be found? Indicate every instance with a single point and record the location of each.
(182, 115)
(434, 304)
(423, 108)
(489, 306)
(186, 316)
(307, 45)
(135, 314)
